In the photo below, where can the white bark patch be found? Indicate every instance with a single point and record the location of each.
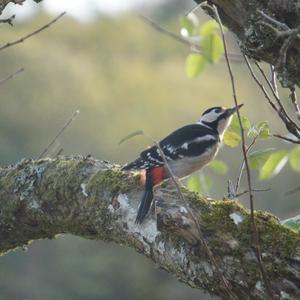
(284, 295)
(146, 232)
(259, 286)
(33, 204)
(183, 210)
(161, 247)
(83, 190)
(236, 217)
(207, 269)
(111, 208)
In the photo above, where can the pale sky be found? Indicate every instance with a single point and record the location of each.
(82, 10)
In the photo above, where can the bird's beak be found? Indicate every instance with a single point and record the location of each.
(232, 110)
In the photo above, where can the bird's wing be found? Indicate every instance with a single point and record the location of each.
(188, 141)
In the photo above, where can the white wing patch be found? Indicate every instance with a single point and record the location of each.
(185, 145)
(198, 140)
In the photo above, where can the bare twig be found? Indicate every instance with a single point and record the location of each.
(287, 139)
(76, 113)
(243, 164)
(60, 151)
(253, 190)
(22, 39)
(192, 10)
(293, 191)
(2, 81)
(289, 33)
(282, 26)
(290, 125)
(9, 20)
(255, 234)
(269, 99)
(234, 56)
(274, 81)
(293, 97)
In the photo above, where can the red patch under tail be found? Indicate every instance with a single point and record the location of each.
(158, 174)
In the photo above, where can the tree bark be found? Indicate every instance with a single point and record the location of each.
(263, 42)
(95, 200)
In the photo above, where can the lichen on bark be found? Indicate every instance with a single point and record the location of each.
(259, 41)
(95, 200)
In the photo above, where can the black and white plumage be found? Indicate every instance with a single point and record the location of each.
(186, 150)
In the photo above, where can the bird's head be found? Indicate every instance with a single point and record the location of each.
(218, 118)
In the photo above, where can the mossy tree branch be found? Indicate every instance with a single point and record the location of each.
(266, 30)
(95, 200)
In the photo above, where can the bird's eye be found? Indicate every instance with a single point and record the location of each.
(217, 110)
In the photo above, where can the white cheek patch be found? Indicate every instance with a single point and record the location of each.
(210, 117)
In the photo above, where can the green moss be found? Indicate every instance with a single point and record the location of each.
(113, 180)
(218, 217)
(275, 238)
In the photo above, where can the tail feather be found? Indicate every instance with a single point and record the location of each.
(146, 200)
(144, 206)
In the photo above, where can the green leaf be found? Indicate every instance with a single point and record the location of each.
(195, 64)
(253, 132)
(131, 135)
(258, 158)
(209, 27)
(294, 159)
(231, 139)
(193, 184)
(188, 24)
(212, 46)
(273, 165)
(263, 129)
(218, 166)
(235, 125)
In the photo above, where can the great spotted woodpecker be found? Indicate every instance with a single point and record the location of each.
(186, 150)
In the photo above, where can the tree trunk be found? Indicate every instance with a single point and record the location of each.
(262, 38)
(95, 200)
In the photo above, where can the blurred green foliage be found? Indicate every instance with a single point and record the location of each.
(122, 76)
(207, 38)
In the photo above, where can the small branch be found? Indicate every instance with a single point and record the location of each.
(9, 20)
(282, 26)
(192, 10)
(74, 116)
(2, 81)
(253, 190)
(258, 82)
(22, 39)
(287, 139)
(243, 164)
(293, 191)
(274, 81)
(290, 34)
(290, 125)
(234, 56)
(255, 234)
(293, 97)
